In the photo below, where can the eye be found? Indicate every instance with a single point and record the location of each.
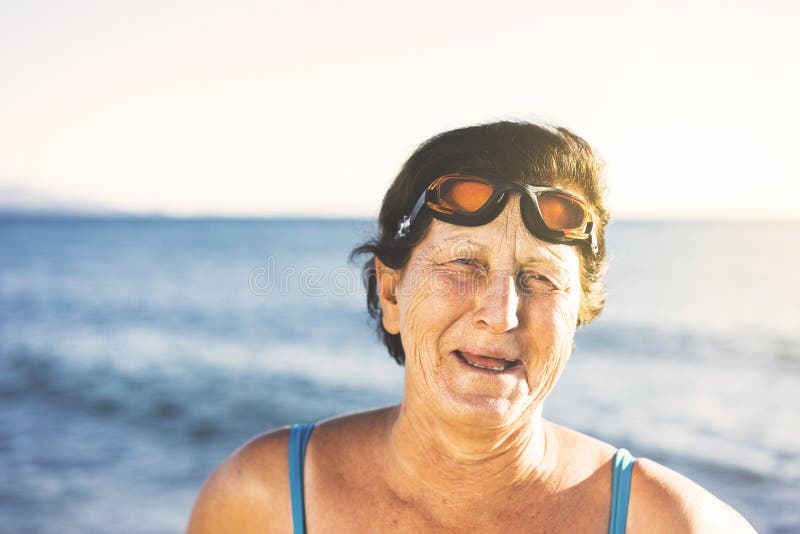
(473, 265)
(530, 283)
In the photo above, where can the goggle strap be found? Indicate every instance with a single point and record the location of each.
(404, 226)
(592, 236)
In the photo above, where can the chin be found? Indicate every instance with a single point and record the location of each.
(484, 410)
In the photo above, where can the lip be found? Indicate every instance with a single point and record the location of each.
(491, 352)
(497, 354)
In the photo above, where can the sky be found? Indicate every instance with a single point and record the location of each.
(310, 108)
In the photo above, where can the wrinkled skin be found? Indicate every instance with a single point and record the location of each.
(489, 287)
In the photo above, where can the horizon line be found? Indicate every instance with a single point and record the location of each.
(121, 215)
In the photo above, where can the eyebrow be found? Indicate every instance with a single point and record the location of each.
(458, 241)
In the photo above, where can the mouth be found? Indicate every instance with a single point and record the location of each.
(479, 361)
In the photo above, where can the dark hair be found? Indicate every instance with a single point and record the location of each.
(506, 151)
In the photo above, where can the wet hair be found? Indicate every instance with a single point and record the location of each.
(506, 151)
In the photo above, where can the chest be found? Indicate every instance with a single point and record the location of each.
(337, 502)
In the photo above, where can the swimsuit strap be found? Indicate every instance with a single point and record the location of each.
(621, 489)
(298, 440)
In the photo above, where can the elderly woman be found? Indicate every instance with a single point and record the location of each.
(490, 254)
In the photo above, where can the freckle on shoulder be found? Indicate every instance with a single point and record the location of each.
(248, 491)
(664, 498)
(661, 500)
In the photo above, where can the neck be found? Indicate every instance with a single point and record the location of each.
(462, 465)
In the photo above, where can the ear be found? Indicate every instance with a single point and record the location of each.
(387, 279)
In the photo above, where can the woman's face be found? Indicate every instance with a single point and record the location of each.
(486, 315)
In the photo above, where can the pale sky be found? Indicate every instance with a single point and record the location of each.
(310, 108)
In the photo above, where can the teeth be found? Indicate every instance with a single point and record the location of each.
(501, 368)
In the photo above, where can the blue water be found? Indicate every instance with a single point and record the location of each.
(136, 354)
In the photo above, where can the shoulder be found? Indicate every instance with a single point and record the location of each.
(661, 499)
(665, 501)
(345, 448)
(248, 491)
(355, 429)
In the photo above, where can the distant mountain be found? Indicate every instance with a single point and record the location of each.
(18, 200)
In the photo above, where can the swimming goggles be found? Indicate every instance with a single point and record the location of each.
(549, 213)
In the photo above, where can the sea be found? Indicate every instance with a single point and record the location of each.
(137, 353)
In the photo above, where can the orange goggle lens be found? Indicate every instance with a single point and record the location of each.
(561, 212)
(465, 195)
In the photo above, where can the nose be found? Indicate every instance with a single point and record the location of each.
(498, 305)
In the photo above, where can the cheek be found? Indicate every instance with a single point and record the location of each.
(567, 310)
(428, 306)
(556, 307)
(551, 325)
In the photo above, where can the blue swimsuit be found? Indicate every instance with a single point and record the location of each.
(298, 440)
